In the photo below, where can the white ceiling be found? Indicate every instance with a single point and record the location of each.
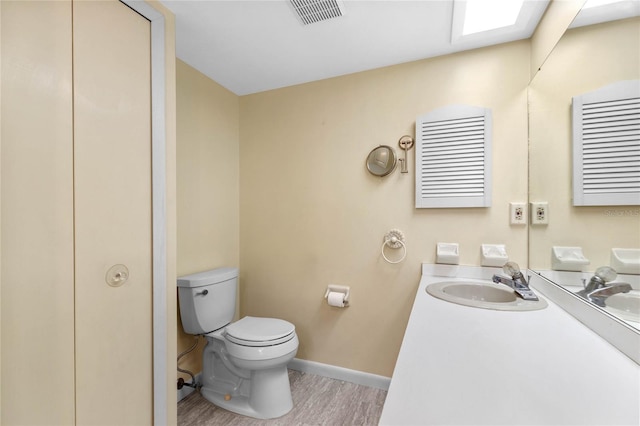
(250, 46)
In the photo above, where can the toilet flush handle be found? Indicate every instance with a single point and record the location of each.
(203, 292)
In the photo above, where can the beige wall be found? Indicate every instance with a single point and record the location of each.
(552, 26)
(311, 215)
(207, 183)
(585, 59)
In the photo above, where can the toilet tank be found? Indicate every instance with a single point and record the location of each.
(207, 299)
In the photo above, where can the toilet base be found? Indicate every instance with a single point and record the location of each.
(252, 388)
(269, 395)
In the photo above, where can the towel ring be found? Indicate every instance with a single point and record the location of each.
(394, 239)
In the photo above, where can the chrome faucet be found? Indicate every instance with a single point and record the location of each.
(517, 281)
(598, 288)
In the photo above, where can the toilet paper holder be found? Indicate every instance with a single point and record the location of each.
(339, 289)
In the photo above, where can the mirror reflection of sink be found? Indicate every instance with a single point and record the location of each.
(483, 294)
(624, 305)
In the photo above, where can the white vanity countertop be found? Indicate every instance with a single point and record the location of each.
(471, 366)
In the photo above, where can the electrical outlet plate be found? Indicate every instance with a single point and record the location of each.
(540, 213)
(518, 213)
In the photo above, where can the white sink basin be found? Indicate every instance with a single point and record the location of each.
(624, 305)
(483, 294)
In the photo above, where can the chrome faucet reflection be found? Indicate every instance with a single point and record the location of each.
(598, 288)
(517, 281)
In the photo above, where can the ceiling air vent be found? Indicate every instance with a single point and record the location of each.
(311, 11)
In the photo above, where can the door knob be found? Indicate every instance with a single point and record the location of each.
(117, 275)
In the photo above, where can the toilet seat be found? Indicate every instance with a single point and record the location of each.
(259, 332)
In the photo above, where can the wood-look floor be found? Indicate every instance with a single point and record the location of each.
(317, 400)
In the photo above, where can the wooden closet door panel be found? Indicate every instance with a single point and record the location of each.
(37, 214)
(112, 166)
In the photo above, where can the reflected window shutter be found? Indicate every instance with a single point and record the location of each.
(453, 157)
(606, 146)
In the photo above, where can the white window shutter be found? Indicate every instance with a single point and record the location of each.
(453, 157)
(606, 146)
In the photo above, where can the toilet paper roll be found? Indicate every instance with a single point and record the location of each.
(336, 299)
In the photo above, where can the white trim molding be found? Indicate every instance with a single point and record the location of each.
(324, 370)
(340, 373)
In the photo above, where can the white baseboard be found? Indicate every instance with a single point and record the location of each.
(186, 390)
(340, 373)
(324, 370)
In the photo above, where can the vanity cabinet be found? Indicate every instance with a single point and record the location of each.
(76, 347)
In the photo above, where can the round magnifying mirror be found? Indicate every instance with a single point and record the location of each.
(381, 160)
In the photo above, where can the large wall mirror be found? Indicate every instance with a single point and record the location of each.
(586, 58)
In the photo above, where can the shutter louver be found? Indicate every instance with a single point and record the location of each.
(452, 158)
(607, 146)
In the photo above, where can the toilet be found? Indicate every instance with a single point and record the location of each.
(244, 364)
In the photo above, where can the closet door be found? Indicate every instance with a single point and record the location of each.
(37, 214)
(112, 178)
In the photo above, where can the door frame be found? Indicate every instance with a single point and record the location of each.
(159, 206)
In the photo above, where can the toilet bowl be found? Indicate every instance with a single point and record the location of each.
(249, 376)
(244, 364)
(258, 343)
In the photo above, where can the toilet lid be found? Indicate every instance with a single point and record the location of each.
(254, 331)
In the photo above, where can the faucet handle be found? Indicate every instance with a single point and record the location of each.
(511, 268)
(606, 273)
